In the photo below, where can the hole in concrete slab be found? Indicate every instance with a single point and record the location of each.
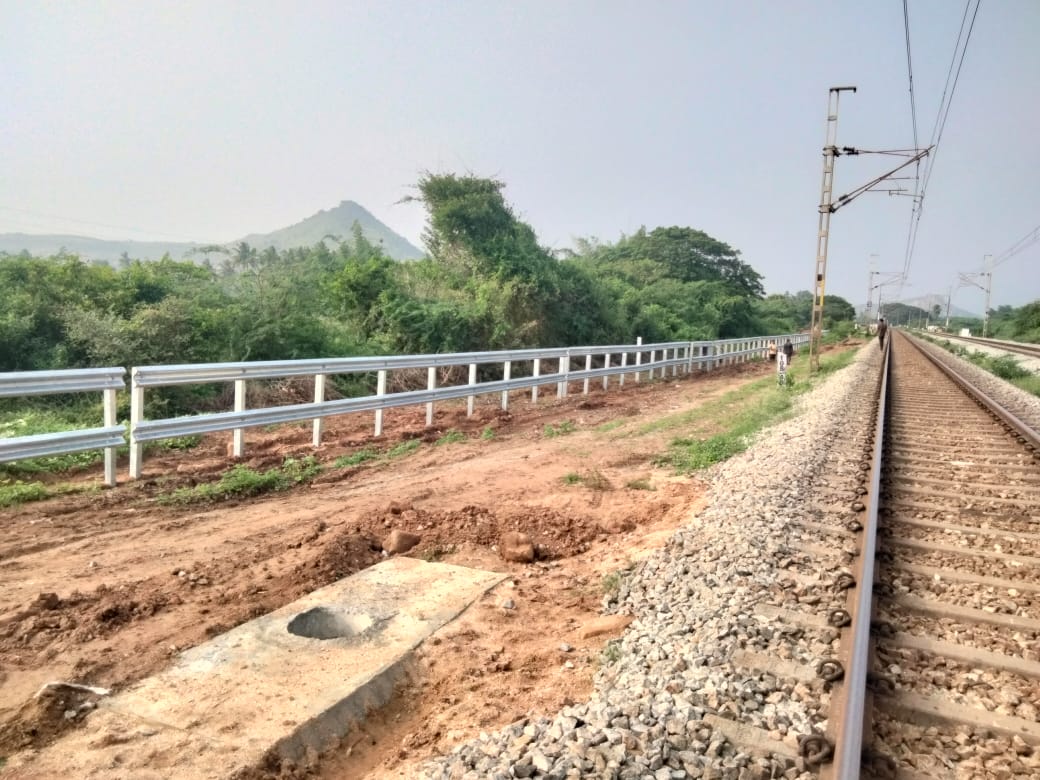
(324, 623)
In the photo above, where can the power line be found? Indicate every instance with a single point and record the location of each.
(940, 121)
(915, 207)
(941, 126)
(1030, 238)
(910, 70)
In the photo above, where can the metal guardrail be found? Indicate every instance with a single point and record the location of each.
(33, 383)
(618, 360)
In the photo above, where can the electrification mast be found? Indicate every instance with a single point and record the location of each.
(828, 207)
(830, 151)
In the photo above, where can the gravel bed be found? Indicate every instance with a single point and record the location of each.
(1003, 601)
(1022, 404)
(992, 690)
(956, 754)
(694, 604)
(1009, 545)
(1024, 644)
(942, 480)
(984, 567)
(984, 522)
(1026, 361)
(969, 501)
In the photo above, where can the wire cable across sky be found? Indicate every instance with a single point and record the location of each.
(942, 115)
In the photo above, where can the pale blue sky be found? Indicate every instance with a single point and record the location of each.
(209, 120)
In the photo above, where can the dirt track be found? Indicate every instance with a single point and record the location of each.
(105, 588)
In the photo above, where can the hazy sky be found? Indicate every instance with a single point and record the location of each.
(209, 120)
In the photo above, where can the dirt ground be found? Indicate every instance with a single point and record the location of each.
(105, 588)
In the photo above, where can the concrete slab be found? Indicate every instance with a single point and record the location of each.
(262, 689)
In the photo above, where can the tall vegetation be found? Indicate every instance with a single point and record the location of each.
(485, 284)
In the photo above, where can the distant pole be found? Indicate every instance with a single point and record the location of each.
(949, 302)
(870, 285)
(830, 151)
(988, 273)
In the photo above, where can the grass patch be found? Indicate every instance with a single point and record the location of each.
(1005, 366)
(18, 492)
(724, 427)
(1031, 384)
(607, 427)
(401, 449)
(612, 651)
(30, 422)
(435, 554)
(551, 431)
(242, 481)
(487, 434)
(355, 459)
(451, 437)
(611, 583)
(593, 480)
(181, 443)
(643, 483)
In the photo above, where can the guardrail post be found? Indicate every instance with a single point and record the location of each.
(653, 359)
(380, 391)
(109, 403)
(561, 386)
(624, 362)
(537, 372)
(675, 366)
(472, 381)
(240, 406)
(606, 377)
(507, 369)
(639, 356)
(689, 358)
(319, 397)
(136, 415)
(431, 385)
(588, 367)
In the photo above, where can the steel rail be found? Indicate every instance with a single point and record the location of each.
(1022, 429)
(851, 702)
(848, 748)
(1029, 350)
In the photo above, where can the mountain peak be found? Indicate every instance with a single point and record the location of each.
(339, 222)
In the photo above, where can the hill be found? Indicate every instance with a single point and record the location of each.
(338, 222)
(925, 303)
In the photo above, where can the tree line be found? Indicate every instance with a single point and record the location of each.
(485, 284)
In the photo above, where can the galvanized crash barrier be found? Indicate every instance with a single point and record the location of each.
(519, 370)
(617, 360)
(33, 383)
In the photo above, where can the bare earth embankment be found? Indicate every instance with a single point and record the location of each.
(105, 588)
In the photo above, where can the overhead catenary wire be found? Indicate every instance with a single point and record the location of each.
(1030, 238)
(942, 115)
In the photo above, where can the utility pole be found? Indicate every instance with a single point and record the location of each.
(988, 273)
(949, 302)
(830, 151)
(870, 286)
(987, 276)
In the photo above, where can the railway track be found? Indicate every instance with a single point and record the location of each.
(939, 669)
(1029, 350)
(861, 598)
